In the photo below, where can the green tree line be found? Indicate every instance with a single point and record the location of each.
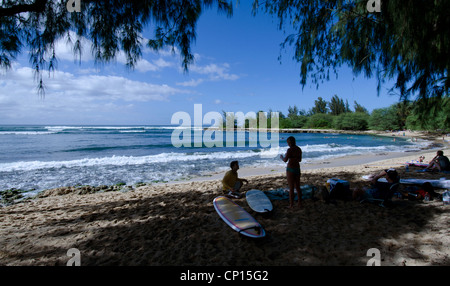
(337, 114)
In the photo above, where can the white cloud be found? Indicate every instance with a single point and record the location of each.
(110, 88)
(215, 72)
(64, 51)
(71, 95)
(191, 83)
(150, 62)
(144, 66)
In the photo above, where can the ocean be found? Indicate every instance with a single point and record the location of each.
(44, 157)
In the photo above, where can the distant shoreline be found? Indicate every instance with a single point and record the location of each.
(426, 135)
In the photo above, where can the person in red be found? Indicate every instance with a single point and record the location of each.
(293, 158)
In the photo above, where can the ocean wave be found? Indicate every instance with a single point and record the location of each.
(45, 130)
(118, 128)
(26, 132)
(321, 151)
(120, 147)
(131, 160)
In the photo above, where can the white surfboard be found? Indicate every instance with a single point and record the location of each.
(258, 201)
(237, 218)
(442, 183)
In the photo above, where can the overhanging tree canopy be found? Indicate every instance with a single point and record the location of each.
(408, 41)
(111, 26)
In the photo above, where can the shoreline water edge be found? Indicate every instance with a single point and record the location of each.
(429, 142)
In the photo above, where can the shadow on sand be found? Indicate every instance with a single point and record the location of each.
(183, 229)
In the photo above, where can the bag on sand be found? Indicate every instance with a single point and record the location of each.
(339, 190)
(419, 193)
(321, 194)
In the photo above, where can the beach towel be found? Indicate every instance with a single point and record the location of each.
(432, 171)
(416, 164)
(283, 193)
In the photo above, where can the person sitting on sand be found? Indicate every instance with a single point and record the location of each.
(439, 162)
(231, 182)
(378, 190)
(293, 173)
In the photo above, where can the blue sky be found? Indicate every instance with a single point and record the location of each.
(237, 68)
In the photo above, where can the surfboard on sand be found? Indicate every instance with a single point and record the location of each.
(237, 218)
(442, 184)
(258, 201)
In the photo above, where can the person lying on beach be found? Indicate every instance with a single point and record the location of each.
(378, 190)
(231, 182)
(439, 162)
(293, 157)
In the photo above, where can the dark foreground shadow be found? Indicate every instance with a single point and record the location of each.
(183, 229)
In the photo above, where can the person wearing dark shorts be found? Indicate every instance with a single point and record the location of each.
(293, 157)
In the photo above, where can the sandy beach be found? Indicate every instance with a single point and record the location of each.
(175, 224)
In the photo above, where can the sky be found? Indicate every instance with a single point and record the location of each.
(237, 68)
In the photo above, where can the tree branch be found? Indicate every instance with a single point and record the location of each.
(37, 6)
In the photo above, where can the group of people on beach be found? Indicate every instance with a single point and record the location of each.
(232, 183)
(378, 190)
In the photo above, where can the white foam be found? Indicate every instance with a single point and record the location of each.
(183, 157)
(132, 131)
(68, 127)
(125, 160)
(61, 128)
(26, 132)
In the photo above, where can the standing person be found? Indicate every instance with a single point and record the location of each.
(293, 158)
(231, 182)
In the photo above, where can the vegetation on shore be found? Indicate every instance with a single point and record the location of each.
(337, 114)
